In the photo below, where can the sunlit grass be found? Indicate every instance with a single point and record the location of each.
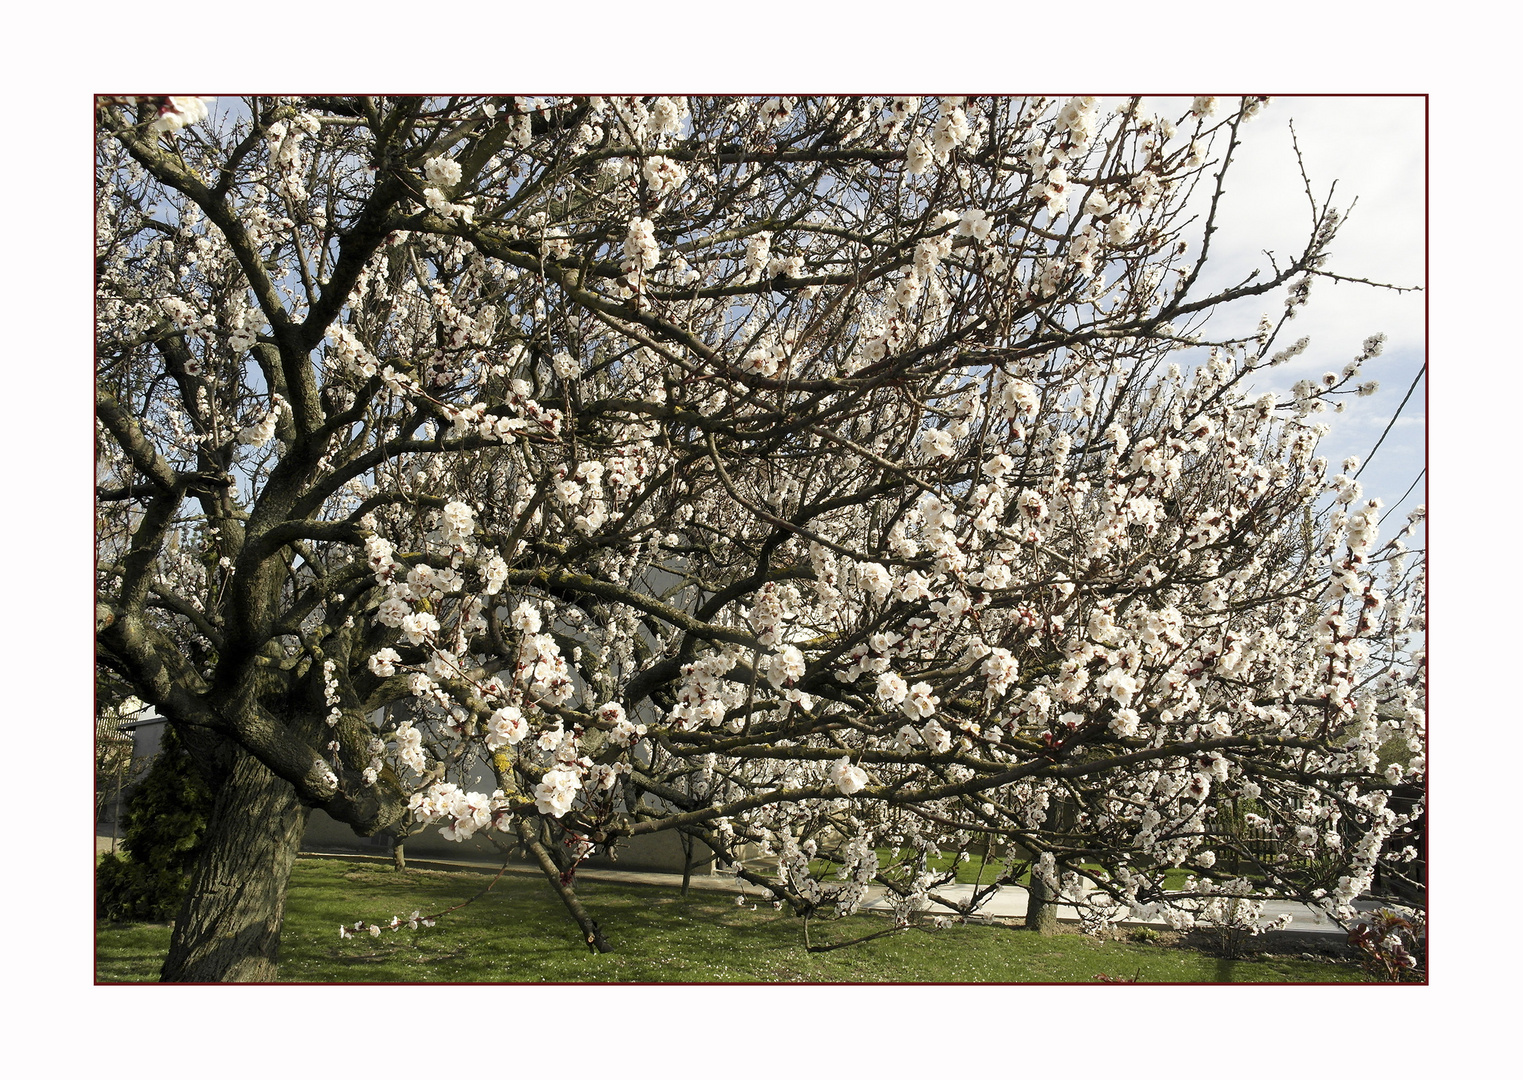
(519, 932)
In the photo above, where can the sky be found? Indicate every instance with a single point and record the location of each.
(1369, 152)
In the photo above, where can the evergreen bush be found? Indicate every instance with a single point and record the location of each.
(163, 823)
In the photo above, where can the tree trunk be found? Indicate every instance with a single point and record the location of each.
(398, 859)
(1041, 908)
(228, 929)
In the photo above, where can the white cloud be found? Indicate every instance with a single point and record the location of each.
(1369, 152)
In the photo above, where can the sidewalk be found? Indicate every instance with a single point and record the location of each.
(1009, 902)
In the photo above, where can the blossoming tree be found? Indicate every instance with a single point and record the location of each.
(823, 475)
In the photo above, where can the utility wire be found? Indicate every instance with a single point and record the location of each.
(1387, 431)
(1403, 499)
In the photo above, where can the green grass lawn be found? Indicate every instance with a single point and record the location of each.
(519, 932)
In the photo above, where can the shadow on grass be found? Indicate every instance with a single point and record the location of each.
(520, 933)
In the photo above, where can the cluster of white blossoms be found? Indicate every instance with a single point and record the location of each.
(506, 727)
(640, 250)
(847, 778)
(1056, 193)
(663, 174)
(667, 114)
(785, 667)
(180, 112)
(442, 172)
(436, 607)
(623, 731)
(555, 793)
(284, 140)
(758, 253)
(845, 894)
(704, 697)
(1226, 905)
(975, 223)
(1079, 120)
(464, 813)
(398, 922)
(951, 130)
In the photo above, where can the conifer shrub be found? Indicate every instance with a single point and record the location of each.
(163, 823)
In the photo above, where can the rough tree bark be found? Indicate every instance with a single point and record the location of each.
(1041, 908)
(228, 929)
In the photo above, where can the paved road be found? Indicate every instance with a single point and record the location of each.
(1008, 902)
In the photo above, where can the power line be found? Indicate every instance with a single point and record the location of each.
(1392, 424)
(1403, 499)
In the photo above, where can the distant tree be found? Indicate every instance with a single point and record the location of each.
(822, 474)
